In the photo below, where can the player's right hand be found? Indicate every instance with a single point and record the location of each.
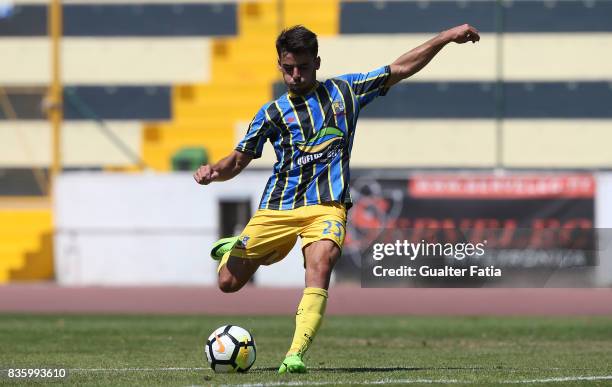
(462, 34)
(205, 175)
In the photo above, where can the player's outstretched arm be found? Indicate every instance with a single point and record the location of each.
(225, 169)
(414, 60)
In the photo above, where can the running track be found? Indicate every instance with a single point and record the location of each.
(344, 300)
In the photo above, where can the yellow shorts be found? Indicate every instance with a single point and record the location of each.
(271, 234)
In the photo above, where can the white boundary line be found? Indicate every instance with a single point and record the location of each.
(563, 379)
(322, 383)
(424, 381)
(335, 383)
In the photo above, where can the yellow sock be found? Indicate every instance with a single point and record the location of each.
(308, 319)
(223, 260)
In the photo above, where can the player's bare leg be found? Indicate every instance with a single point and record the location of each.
(320, 258)
(235, 273)
(232, 273)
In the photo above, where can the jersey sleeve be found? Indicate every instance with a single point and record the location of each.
(368, 86)
(256, 135)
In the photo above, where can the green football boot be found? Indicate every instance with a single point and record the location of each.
(222, 246)
(292, 364)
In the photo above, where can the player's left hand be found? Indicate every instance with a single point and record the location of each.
(462, 34)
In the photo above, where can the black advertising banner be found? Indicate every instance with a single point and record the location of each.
(470, 230)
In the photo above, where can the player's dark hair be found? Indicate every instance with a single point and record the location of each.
(297, 39)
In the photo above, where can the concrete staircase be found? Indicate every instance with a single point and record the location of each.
(26, 249)
(243, 73)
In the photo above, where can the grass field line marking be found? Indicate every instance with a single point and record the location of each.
(424, 381)
(335, 383)
(562, 379)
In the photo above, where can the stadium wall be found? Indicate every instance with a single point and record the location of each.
(153, 229)
(83, 143)
(107, 61)
(603, 221)
(149, 229)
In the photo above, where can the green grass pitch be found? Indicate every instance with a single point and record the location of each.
(168, 350)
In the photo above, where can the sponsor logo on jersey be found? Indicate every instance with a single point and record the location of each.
(322, 147)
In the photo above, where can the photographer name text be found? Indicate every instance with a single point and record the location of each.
(411, 251)
(445, 271)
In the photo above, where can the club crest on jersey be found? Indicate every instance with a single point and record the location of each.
(323, 146)
(338, 108)
(241, 243)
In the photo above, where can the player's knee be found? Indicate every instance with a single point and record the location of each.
(227, 283)
(227, 287)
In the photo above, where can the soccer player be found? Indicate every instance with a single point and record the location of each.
(311, 128)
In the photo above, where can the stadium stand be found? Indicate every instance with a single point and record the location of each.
(119, 64)
(147, 79)
(136, 69)
(242, 72)
(538, 79)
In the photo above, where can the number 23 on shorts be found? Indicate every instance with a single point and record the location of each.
(334, 227)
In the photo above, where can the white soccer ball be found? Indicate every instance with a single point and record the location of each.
(230, 349)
